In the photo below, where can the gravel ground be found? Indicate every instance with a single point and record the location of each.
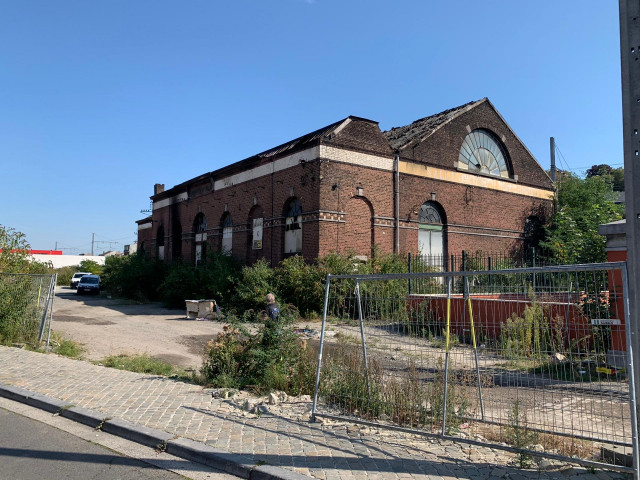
(108, 326)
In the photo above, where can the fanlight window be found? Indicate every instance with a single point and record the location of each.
(481, 152)
(429, 214)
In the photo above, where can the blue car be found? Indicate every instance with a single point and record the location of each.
(89, 284)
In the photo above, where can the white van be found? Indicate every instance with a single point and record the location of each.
(76, 278)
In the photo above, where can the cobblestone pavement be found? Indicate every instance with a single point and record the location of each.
(278, 435)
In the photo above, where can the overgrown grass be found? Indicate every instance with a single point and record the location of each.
(139, 363)
(66, 347)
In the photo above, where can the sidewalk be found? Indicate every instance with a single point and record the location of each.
(246, 444)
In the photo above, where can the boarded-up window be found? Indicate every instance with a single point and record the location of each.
(200, 229)
(257, 234)
(227, 234)
(293, 227)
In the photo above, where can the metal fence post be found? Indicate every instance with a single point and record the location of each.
(410, 271)
(446, 359)
(364, 344)
(322, 331)
(475, 347)
(632, 377)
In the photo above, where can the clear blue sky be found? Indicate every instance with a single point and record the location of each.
(99, 100)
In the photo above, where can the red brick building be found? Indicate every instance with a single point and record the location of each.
(460, 179)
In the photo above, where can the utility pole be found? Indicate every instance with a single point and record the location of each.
(552, 148)
(93, 240)
(630, 60)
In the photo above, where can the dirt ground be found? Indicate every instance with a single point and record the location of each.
(106, 326)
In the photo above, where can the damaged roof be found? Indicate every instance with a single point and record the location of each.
(400, 137)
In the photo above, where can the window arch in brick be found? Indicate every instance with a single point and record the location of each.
(431, 235)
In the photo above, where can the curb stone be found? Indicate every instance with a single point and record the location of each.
(235, 464)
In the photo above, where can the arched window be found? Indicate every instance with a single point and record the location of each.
(160, 243)
(482, 152)
(293, 227)
(431, 235)
(227, 233)
(200, 230)
(176, 240)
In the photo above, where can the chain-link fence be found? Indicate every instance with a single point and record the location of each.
(530, 360)
(26, 307)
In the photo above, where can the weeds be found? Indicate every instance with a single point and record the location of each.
(273, 358)
(138, 363)
(66, 347)
(518, 434)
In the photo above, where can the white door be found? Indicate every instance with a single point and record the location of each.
(431, 245)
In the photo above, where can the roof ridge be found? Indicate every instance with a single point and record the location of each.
(400, 137)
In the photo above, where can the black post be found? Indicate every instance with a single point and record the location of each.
(410, 271)
(463, 268)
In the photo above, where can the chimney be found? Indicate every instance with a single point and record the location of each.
(158, 188)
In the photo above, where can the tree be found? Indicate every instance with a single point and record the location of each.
(90, 266)
(615, 175)
(14, 255)
(582, 205)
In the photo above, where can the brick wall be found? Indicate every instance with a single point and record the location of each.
(345, 183)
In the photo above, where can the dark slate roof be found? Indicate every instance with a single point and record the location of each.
(309, 138)
(400, 137)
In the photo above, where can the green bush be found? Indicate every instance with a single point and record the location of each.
(19, 320)
(133, 276)
(216, 278)
(256, 281)
(65, 274)
(301, 284)
(270, 359)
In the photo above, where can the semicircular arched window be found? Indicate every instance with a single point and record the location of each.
(482, 152)
(429, 214)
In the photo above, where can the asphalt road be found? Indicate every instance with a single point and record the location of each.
(31, 449)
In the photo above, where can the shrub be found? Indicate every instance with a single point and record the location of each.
(301, 284)
(133, 276)
(256, 281)
(65, 274)
(270, 359)
(518, 434)
(19, 314)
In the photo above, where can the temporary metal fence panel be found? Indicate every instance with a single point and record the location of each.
(533, 360)
(26, 306)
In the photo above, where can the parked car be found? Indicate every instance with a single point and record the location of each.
(89, 284)
(76, 278)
